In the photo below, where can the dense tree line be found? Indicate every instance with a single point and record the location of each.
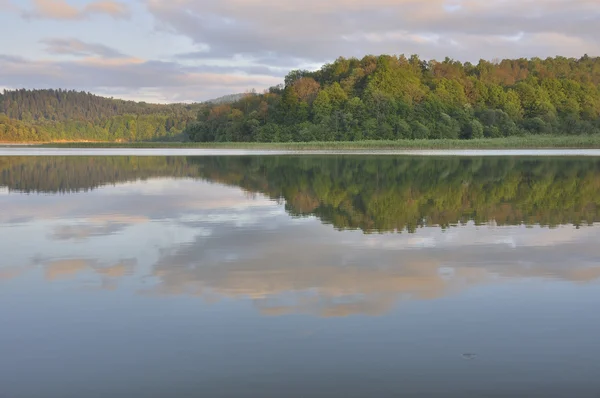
(395, 97)
(381, 194)
(46, 115)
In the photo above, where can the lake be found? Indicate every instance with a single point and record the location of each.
(299, 275)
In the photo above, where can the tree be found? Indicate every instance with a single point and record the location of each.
(307, 89)
(322, 107)
(420, 131)
(447, 127)
(475, 129)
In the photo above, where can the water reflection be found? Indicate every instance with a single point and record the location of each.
(299, 276)
(296, 269)
(194, 237)
(374, 194)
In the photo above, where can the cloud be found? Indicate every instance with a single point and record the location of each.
(320, 31)
(7, 273)
(7, 5)
(62, 10)
(231, 46)
(61, 269)
(349, 273)
(171, 81)
(135, 203)
(68, 268)
(79, 48)
(112, 8)
(81, 232)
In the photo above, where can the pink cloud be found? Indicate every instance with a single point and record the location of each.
(62, 10)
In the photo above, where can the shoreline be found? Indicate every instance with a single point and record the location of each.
(143, 152)
(511, 143)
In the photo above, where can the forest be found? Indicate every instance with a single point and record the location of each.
(374, 98)
(394, 97)
(374, 194)
(63, 115)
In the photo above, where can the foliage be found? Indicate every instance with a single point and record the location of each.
(391, 98)
(55, 115)
(516, 142)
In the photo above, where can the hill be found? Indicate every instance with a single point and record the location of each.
(395, 97)
(50, 115)
(228, 99)
(374, 98)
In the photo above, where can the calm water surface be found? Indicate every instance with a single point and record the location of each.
(299, 276)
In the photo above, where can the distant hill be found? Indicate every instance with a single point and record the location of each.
(50, 115)
(228, 99)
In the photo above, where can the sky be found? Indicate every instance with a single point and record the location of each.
(194, 50)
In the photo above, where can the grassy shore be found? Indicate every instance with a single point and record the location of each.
(529, 142)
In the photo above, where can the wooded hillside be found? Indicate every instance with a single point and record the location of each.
(374, 98)
(390, 97)
(46, 115)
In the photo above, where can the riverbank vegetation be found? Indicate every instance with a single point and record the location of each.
(524, 142)
(390, 97)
